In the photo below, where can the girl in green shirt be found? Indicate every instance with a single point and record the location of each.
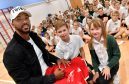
(104, 52)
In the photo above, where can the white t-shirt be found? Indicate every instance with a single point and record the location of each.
(84, 22)
(112, 8)
(107, 11)
(39, 55)
(124, 11)
(56, 39)
(95, 15)
(50, 32)
(71, 49)
(49, 41)
(99, 6)
(112, 26)
(76, 32)
(70, 29)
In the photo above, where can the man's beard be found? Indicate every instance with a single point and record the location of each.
(22, 29)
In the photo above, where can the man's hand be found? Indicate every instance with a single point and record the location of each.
(63, 61)
(106, 73)
(59, 73)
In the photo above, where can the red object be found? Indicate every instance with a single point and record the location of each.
(76, 73)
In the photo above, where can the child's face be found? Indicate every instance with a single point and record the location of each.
(117, 6)
(96, 32)
(95, 2)
(107, 4)
(95, 9)
(86, 13)
(115, 17)
(113, 2)
(90, 6)
(88, 20)
(75, 25)
(63, 33)
(123, 2)
(101, 12)
(47, 36)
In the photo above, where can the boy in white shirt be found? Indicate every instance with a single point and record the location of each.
(114, 25)
(70, 46)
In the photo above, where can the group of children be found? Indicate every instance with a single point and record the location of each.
(97, 25)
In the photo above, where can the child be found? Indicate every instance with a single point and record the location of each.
(104, 52)
(107, 9)
(49, 41)
(127, 24)
(86, 28)
(114, 25)
(77, 30)
(70, 46)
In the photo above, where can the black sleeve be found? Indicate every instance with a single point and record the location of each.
(89, 65)
(21, 73)
(48, 57)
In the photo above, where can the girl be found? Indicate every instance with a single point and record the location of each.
(104, 52)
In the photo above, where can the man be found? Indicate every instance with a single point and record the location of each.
(25, 57)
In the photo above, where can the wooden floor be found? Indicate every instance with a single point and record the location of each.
(123, 70)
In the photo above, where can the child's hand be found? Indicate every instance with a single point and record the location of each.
(64, 62)
(106, 73)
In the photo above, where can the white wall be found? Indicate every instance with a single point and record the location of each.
(39, 11)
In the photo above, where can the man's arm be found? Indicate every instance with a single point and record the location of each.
(20, 72)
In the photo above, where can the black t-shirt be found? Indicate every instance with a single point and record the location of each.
(102, 16)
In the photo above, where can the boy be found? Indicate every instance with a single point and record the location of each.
(70, 46)
(114, 25)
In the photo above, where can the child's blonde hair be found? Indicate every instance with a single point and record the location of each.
(115, 13)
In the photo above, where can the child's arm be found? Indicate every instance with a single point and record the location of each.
(82, 53)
